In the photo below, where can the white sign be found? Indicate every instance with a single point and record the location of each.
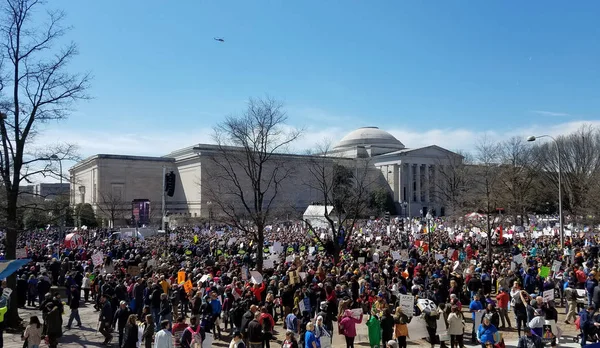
(426, 304)
(361, 260)
(268, 264)
(302, 275)
(407, 303)
(395, 255)
(97, 258)
(376, 258)
(518, 259)
(548, 295)
(256, 277)
(417, 328)
(357, 313)
(556, 266)
(277, 248)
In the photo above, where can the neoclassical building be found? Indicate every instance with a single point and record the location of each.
(134, 183)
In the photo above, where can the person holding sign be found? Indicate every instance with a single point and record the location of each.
(347, 327)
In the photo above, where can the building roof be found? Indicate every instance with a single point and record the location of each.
(370, 136)
(120, 157)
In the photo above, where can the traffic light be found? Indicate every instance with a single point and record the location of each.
(401, 224)
(170, 184)
(386, 217)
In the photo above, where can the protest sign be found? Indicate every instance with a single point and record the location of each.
(268, 264)
(256, 277)
(548, 295)
(518, 259)
(544, 271)
(97, 258)
(417, 328)
(556, 266)
(188, 286)
(407, 303)
(180, 277)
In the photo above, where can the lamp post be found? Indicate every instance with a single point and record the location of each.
(429, 217)
(560, 213)
(60, 178)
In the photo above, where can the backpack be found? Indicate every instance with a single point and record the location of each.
(196, 337)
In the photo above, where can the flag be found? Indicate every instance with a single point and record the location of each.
(500, 237)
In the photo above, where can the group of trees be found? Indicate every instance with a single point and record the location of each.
(515, 177)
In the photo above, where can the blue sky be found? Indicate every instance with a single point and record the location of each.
(440, 72)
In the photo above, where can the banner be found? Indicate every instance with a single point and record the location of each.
(180, 277)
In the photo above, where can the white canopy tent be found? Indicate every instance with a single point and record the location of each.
(315, 215)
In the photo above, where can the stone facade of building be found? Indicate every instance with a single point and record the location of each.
(104, 180)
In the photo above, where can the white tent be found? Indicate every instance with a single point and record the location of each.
(315, 215)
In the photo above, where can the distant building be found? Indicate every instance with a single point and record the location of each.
(48, 191)
(134, 183)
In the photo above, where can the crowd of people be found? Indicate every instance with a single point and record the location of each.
(198, 285)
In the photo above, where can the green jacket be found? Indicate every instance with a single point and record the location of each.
(374, 331)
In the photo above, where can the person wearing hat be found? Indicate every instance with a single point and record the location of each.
(536, 324)
(236, 341)
(120, 319)
(529, 340)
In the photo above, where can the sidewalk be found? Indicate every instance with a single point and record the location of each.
(87, 336)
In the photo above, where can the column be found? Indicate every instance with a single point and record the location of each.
(418, 180)
(427, 183)
(397, 183)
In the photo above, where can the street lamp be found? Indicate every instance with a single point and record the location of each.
(60, 175)
(429, 217)
(560, 213)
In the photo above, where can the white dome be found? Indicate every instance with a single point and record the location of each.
(370, 136)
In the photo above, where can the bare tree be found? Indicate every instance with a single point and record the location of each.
(41, 90)
(251, 167)
(486, 181)
(517, 176)
(580, 166)
(346, 186)
(455, 183)
(112, 206)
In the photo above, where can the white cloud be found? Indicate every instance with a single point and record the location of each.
(551, 113)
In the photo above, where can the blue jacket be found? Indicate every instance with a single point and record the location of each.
(216, 307)
(486, 334)
(586, 320)
(474, 307)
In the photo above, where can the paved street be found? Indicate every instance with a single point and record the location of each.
(87, 336)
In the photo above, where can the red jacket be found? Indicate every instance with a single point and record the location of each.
(258, 291)
(502, 299)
